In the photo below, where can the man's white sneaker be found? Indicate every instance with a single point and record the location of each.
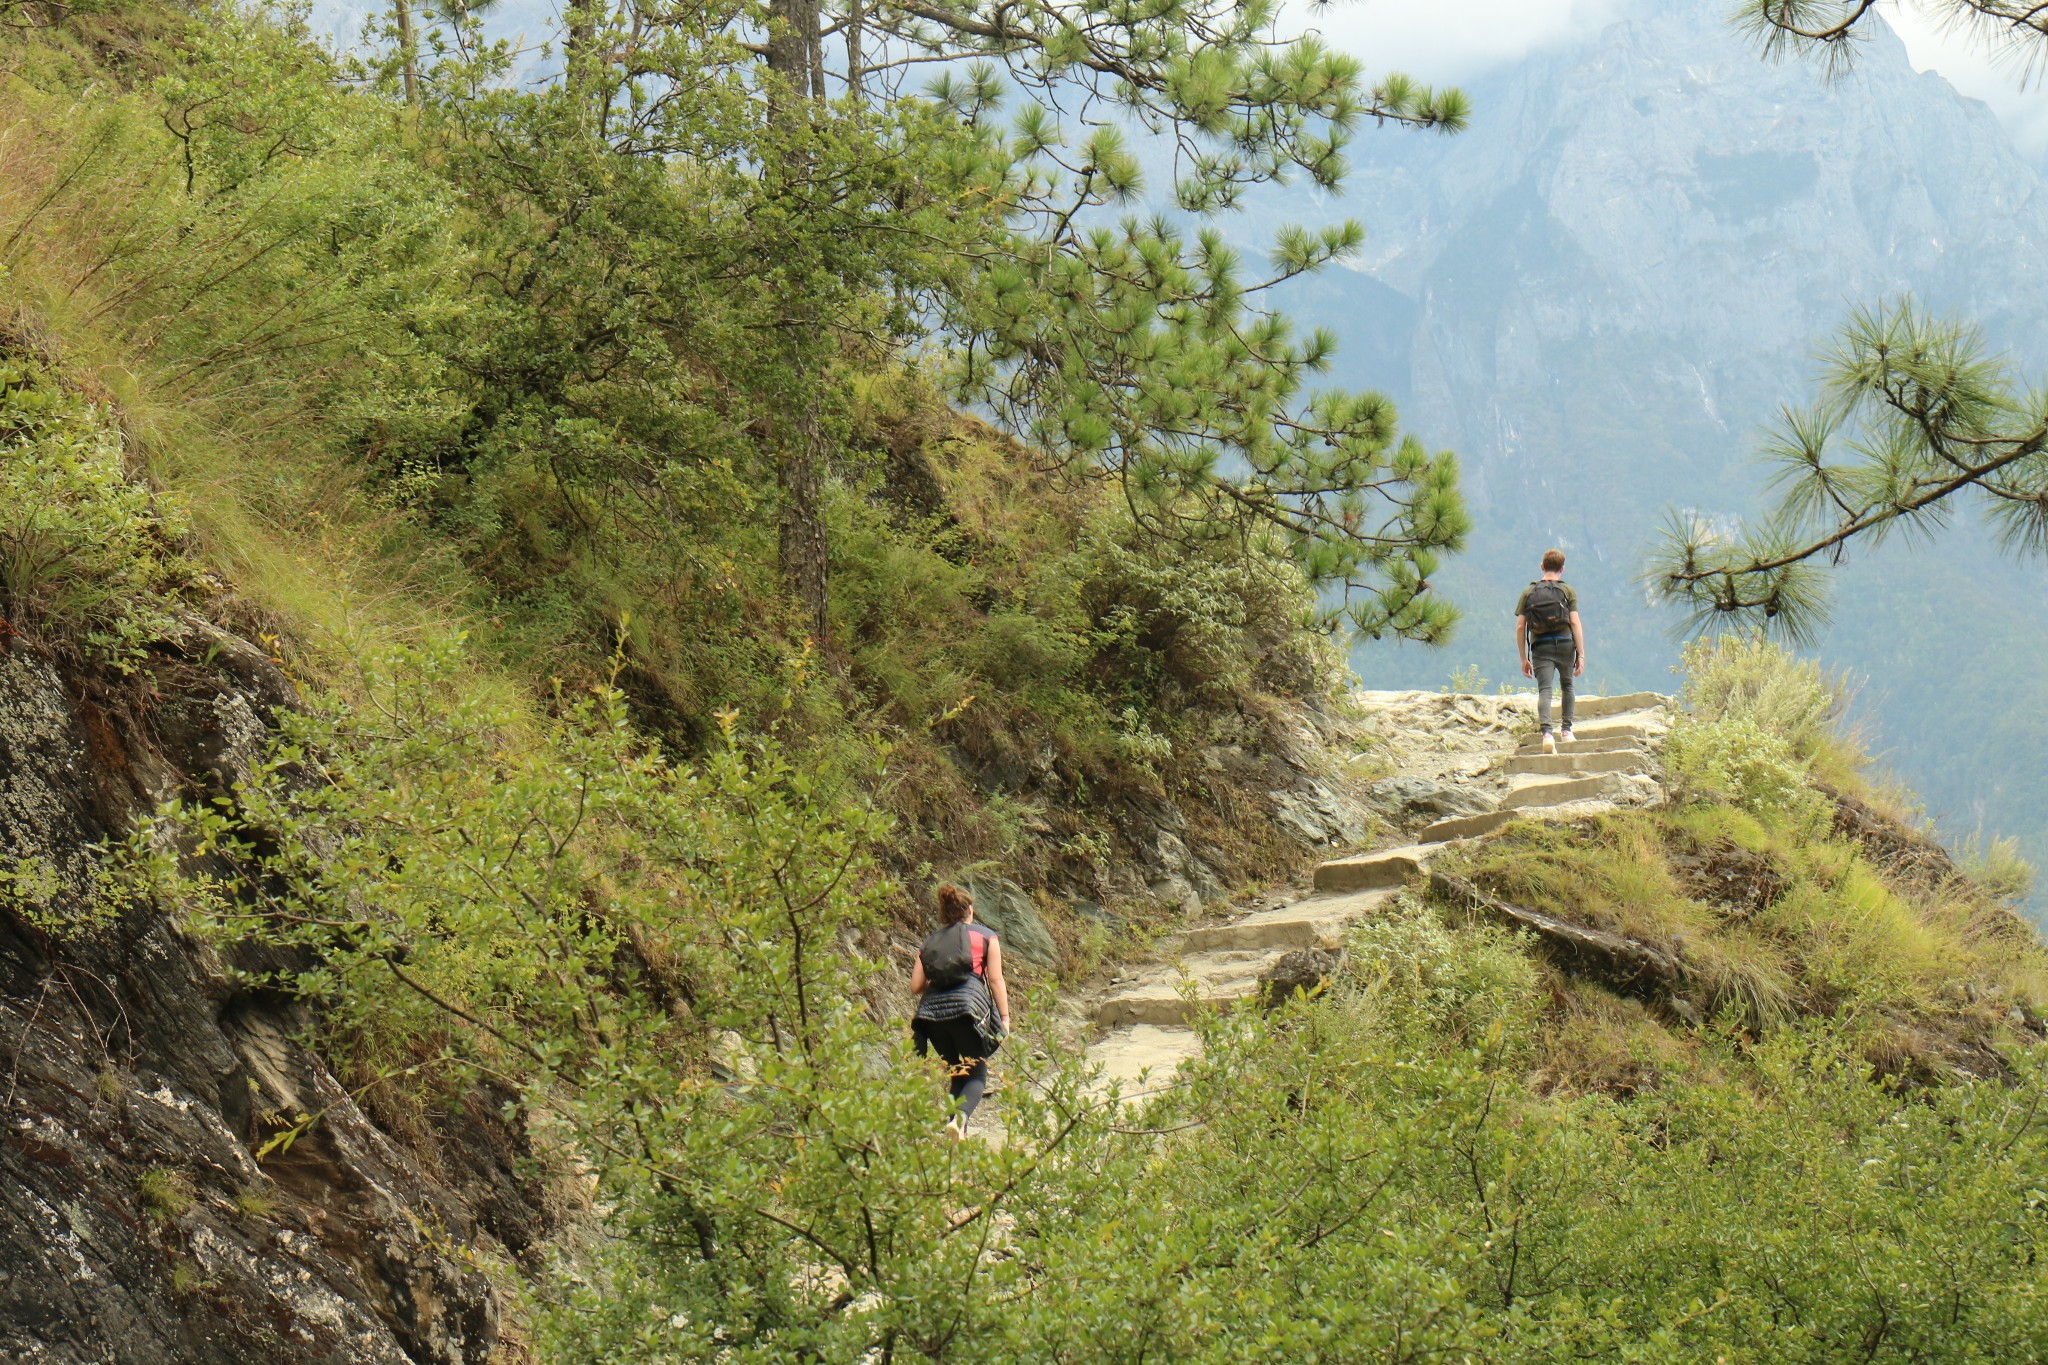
(1549, 744)
(1566, 737)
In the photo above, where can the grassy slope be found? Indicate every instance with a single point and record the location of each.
(1788, 886)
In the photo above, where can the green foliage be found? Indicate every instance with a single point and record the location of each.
(1471, 987)
(594, 337)
(255, 1204)
(1746, 677)
(662, 961)
(2013, 29)
(1740, 760)
(166, 1194)
(1998, 866)
(589, 361)
(560, 898)
(87, 555)
(1758, 721)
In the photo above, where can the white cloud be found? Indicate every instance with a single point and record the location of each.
(1445, 41)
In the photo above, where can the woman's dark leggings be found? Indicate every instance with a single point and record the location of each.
(970, 1083)
(958, 1042)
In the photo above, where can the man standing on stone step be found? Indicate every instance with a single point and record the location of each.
(1551, 641)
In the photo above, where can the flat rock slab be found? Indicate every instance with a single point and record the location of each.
(1318, 922)
(1143, 1057)
(1407, 798)
(1373, 871)
(1595, 708)
(1478, 826)
(1630, 727)
(1606, 745)
(1556, 765)
(1467, 826)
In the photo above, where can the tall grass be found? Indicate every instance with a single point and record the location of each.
(1738, 678)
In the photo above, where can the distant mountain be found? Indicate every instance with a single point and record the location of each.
(1601, 292)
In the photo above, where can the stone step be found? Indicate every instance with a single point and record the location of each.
(1554, 791)
(1466, 826)
(1142, 1057)
(1373, 871)
(1534, 744)
(1628, 729)
(1318, 922)
(1477, 826)
(1552, 765)
(1221, 979)
(1596, 708)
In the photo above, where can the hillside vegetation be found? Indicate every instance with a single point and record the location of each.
(396, 382)
(489, 429)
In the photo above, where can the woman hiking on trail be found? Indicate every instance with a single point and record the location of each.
(963, 1008)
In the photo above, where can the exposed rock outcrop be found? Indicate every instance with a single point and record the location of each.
(142, 1076)
(1625, 965)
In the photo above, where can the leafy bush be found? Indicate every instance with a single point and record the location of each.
(1749, 678)
(1470, 985)
(1202, 619)
(1736, 758)
(87, 555)
(660, 958)
(1997, 865)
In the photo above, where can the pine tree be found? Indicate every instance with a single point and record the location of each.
(996, 214)
(1134, 345)
(1832, 28)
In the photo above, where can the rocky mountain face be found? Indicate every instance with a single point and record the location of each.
(1601, 293)
(145, 1074)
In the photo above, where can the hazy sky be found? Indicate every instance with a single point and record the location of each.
(1445, 41)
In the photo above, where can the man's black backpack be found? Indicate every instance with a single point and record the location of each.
(948, 957)
(1548, 610)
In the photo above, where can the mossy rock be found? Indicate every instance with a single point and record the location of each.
(1006, 907)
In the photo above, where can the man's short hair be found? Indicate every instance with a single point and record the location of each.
(1553, 561)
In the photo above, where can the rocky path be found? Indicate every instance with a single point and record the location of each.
(1463, 767)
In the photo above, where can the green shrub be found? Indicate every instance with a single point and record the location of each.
(1736, 758)
(1456, 984)
(88, 556)
(1203, 619)
(1737, 677)
(1997, 865)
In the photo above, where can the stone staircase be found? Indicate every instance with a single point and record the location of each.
(1461, 750)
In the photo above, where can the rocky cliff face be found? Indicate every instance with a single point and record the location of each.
(1601, 293)
(142, 1074)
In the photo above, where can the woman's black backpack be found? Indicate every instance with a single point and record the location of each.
(948, 957)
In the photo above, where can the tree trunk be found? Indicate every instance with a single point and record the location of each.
(855, 18)
(814, 47)
(795, 56)
(580, 39)
(793, 52)
(803, 520)
(408, 52)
